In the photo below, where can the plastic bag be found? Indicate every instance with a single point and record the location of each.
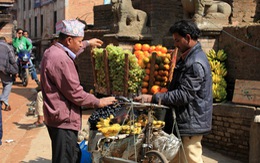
(85, 155)
(167, 144)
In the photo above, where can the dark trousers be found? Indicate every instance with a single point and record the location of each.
(65, 148)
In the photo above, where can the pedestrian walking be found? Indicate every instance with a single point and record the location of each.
(8, 67)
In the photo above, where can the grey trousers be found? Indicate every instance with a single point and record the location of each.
(7, 83)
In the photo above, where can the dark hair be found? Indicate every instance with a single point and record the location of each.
(184, 27)
(19, 29)
(25, 31)
(63, 36)
(2, 38)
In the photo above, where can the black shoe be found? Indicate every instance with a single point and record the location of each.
(7, 108)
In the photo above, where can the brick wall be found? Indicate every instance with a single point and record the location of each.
(231, 130)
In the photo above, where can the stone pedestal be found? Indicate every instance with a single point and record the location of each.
(254, 143)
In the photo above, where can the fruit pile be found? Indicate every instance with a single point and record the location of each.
(107, 128)
(156, 61)
(219, 71)
(117, 69)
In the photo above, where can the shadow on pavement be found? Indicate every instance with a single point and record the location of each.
(25, 92)
(23, 126)
(38, 160)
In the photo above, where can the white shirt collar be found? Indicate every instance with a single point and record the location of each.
(71, 54)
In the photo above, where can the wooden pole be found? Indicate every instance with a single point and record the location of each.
(173, 63)
(107, 72)
(126, 76)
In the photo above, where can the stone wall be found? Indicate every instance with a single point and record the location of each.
(231, 130)
(161, 15)
(244, 11)
(242, 44)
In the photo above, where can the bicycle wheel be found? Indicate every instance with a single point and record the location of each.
(153, 156)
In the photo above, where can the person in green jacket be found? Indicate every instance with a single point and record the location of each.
(20, 42)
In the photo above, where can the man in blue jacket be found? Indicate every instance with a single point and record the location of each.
(189, 93)
(8, 67)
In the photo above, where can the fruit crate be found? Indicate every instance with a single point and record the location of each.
(108, 89)
(152, 69)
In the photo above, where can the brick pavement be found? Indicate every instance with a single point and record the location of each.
(33, 145)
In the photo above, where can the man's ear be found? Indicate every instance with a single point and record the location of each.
(188, 38)
(68, 40)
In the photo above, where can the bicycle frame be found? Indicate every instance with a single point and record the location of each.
(147, 146)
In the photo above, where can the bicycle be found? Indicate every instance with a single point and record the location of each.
(147, 153)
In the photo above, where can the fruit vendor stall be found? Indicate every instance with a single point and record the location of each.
(146, 70)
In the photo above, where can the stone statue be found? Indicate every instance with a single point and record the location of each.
(207, 13)
(127, 20)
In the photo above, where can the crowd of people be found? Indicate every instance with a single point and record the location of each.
(60, 97)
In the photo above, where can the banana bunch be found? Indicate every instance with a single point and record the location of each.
(219, 92)
(106, 129)
(221, 55)
(143, 119)
(136, 128)
(158, 124)
(211, 55)
(219, 71)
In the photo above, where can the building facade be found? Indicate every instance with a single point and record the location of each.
(6, 19)
(40, 16)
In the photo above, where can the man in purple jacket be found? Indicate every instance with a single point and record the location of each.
(62, 93)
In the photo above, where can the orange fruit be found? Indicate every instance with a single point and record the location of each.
(158, 53)
(139, 54)
(155, 89)
(163, 90)
(158, 47)
(144, 90)
(155, 73)
(152, 48)
(167, 66)
(156, 66)
(164, 49)
(145, 47)
(166, 60)
(168, 55)
(166, 73)
(147, 71)
(138, 46)
(146, 53)
(161, 72)
(145, 84)
(146, 78)
(157, 83)
(148, 65)
(146, 60)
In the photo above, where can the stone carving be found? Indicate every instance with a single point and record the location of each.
(127, 20)
(207, 13)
